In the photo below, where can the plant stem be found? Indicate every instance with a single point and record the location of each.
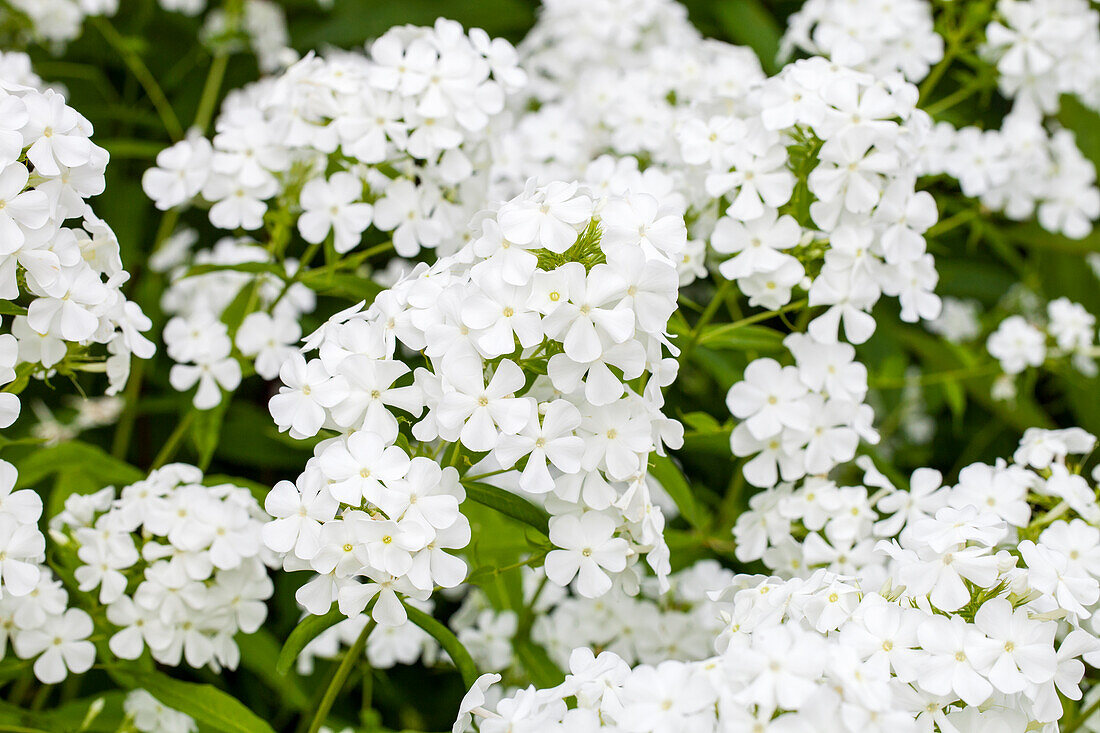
(211, 91)
(168, 450)
(749, 320)
(353, 655)
(951, 222)
(120, 444)
(143, 76)
(1085, 715)
(708, 313)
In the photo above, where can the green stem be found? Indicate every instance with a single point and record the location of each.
(959, 95)
(708, 313)
(211, 91)
(120, 444)
(353, 655)
(951, 222)
(1084, 716)
(168, 450)
(749, 320)
(143, 76)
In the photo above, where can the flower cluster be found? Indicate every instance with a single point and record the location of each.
(649, 628)
(264, 23)
(819, 173)
(572, 38)
(198, 336)
(34, 613)
(801, 419)
(149, 715)
(606, 102)
(544, 344)
(868, 35)
(1044, 49)
(60, 266)
(393, 138)
(1020, 170)
(958, 621)
(179, 566)
(1068, 332)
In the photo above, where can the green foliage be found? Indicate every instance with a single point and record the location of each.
(208, 705)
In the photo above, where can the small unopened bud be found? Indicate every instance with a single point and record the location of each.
(93, 712)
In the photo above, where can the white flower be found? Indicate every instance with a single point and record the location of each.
(330, 206)
(63, 647)
(590, 551)
(1017, 345)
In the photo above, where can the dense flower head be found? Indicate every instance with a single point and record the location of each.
(1043, 49)
(869, 35)
(545, 355)
(61, 271)
(391, 139)
(179, 566)
(905, 611)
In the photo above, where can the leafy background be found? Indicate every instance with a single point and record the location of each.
(981, 259)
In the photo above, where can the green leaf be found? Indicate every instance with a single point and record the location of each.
(206, 431)
(205, 703)
(257, 442)
(448, 641)
(259, 655)
(80, 468)
(955, 397)
(508, 504)
(252, 267)
(234, 313)
(670, 477)
(7, 308)
(348, 25)
(542, 670)
(701, 421)
(749, 23)
(343, 285)
(739, 337)
(305, 632)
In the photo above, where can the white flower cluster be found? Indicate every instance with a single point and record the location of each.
(869, 35)
(801, 419)
(34, 613)
(149, 715)
(53, 21)
(1044, 49)
(65, 281)
(1020, 170)
(649, 628)
(610, 87)
(572, 38)
(198, 337)
(544, 343)
(1068, 331)
(686, 621)
(964, 633)
(958, 321)
(394, 139)
(179, 566)
(821, 154)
